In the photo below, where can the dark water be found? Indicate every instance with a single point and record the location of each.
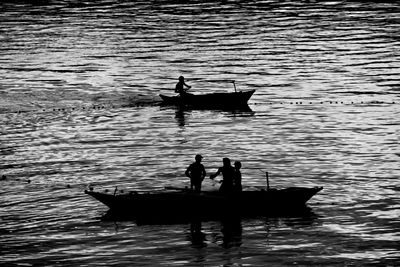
(325, 113)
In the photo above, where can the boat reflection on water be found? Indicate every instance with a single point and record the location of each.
(180, 117)
(197, 237)
(230, 234)
(226, 231)
(182, 112)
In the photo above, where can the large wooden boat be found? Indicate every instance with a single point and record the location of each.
(233, 100)
(186, 203)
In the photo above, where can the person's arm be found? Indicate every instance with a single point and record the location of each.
(188, 86)
(212, 176)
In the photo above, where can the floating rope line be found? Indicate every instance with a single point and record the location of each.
(327, 102)
(84, 108)
(65, 109)
(157, 103)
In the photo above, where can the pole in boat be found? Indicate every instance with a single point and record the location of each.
(234, 85)
(266, 176)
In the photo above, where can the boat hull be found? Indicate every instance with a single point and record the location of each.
(190, 205)
(234, 100)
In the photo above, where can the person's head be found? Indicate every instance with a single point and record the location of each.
(238, 165)
(226, 162)
(198, 157)
(181, 79)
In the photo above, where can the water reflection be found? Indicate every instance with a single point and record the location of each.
(197, 236)
(230, 234)
(183, 113)
(227, 232)
(180, 117)
(231, 229)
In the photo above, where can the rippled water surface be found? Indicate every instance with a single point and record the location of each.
(79, 106)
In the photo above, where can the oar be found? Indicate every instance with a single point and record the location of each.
(234, 85)
(266, 176)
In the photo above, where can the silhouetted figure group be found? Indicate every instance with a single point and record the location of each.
(231, 176)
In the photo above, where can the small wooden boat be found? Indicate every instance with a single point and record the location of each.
(186, 203)
(233, 100)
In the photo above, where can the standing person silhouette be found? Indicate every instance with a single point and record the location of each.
(227, 176)
(196, 172)
(179, 88)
